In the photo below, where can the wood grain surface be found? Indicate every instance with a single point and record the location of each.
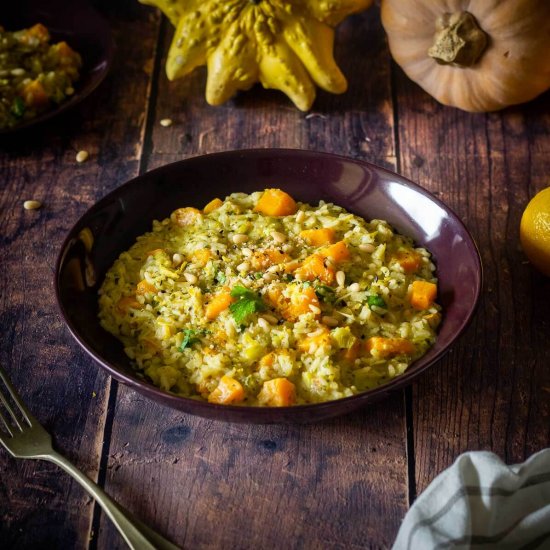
(344, 483)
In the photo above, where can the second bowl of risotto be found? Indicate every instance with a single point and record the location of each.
(268, 285)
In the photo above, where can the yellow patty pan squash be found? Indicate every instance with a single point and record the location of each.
(284, 44)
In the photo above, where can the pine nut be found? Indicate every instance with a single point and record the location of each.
(18, 71)
(330, 321)
(190, 278)
(239, 238)
(367, 247)
(263, 324)
(245, 266)
(278, 237)
(273, 269)
(314, 309)
(340, 278)
(300, 216)
(177, 259)
(166, 122)
(268, 277)
(354, 287)
(31, 205)
(317, 332)
(82, 156)
(247, 252)
(271, 319)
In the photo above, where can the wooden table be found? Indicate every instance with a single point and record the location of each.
(345, 483)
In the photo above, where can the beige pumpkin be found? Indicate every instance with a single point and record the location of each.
(478, 55)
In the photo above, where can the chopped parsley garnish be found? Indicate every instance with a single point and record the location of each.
(325, 293)
(288, 277)
(220, 277)
(376, 301)
(248, 303)
(191, 336)
(18, 108)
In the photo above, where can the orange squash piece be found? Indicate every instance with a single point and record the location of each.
(126, 303)
(39, 31)
(422, 294)
(298, 303)
(321, 340)
(201, 256)
(410, 261)
(318, 237)
(352, 353)
(228, 391)
(338, 252)
(219, 303)
(263, 259)
(388, 347)
(186, 216)
(275, 202)
(143, 287)
(313, 267)
(214, 204)
(34, 94)
(278, 392)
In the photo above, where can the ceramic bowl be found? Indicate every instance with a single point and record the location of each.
(362, 188)
(81, 27)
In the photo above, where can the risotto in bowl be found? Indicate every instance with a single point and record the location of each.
(268, 285)
(259, 300)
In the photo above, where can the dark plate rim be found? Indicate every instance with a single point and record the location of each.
(369, 395)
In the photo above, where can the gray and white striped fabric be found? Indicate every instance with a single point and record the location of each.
(479, 502)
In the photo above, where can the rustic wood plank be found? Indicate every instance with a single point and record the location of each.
(39, 505)
(338, 484)
(492, 391)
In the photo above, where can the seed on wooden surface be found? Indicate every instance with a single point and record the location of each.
(190, 278)
(367, 247)
(329, 321)
(82, 156)
(166, 122)
(31, 205)
(340, 278)
(278, 237)
(354, 287)
(263, 324)
(240, 238)
(315, 309)
(271, 319)
(300, 216)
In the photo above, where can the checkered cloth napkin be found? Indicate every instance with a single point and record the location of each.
(481, 503)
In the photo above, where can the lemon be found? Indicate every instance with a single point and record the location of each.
(534, 231)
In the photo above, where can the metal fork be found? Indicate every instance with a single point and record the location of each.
(24, 437)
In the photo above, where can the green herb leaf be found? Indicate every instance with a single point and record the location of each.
(220, 277)
(18, 108)
(191, 336)
(248, 303)
(288, 277)
(325, 293)
(376, 301)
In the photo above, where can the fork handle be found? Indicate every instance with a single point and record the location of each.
(135, 533)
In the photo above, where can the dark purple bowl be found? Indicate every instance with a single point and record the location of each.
(364, 189)
(79, 24)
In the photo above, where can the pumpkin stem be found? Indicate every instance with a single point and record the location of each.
(458, 40)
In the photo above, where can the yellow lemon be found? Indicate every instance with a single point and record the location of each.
(534, 231)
